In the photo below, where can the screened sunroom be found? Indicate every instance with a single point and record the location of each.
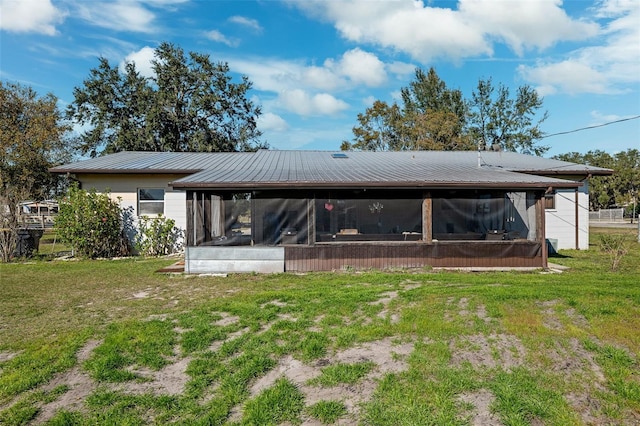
(368, 228)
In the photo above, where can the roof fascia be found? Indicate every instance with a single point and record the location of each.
(373, 185)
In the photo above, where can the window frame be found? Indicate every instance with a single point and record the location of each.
(142, 202)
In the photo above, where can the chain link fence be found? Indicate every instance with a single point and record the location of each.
(607, 215)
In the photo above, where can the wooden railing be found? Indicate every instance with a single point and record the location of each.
(37, 221)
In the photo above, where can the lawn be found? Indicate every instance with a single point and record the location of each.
(114, 342)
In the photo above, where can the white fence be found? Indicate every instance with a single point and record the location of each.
(607, 215)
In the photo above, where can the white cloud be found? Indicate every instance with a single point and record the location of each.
(322, 78)
(362, 67)
(142, 59)
(272, 122)
(529, 24)
(600, 118)
(567, 76)
(355, 67)
(246, 22)
(121, 15)
(303, 103)
(217, 36)
(368, 101)
(401, 69)
(604, 68)
(26, 16)
(426, 32)
(267, 74)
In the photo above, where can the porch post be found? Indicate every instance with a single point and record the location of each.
(427, 218)
(540, 227)
(189, 211)
(311, 221)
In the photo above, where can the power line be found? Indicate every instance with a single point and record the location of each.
(591, 127)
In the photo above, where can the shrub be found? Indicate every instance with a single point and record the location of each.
(92, 224)
(157, 236)
(615, 245)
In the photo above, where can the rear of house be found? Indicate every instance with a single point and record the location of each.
(311, 210)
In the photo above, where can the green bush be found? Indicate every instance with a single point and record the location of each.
(92, 224)
(157, 236)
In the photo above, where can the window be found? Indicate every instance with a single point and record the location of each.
(368, 219)
(550, 201)
(150, 201)
(476, 215)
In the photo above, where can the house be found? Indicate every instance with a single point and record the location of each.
(276, 210)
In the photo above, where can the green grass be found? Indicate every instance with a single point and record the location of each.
(131, 343)
(281, 403)
(343, 373)
(327, 412)
(573, 336)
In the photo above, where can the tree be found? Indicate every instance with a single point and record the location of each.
(617, 189)
(432, 117)
(190, 104)
(435, 117)
(377, 130)
(498, 121)
(32, 139)
(428, 94)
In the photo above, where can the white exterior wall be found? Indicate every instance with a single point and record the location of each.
(126, 188)
(175, 207)
(560, 222)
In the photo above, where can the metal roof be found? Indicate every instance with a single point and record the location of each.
(273, 168)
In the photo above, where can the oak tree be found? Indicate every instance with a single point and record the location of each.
(499, 121)
(189, 104)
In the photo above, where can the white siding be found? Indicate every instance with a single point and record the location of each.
(175, 207)
(561, 221)
(125, 188)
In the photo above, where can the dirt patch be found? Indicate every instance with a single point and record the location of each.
(170, 380)
(481, 312)
(227, 320)
(385, 299)
(7, 356)
(411, 285)
(549, 316)
(215, 346)
(461, 309)
(480, 414)
(79, 383)
(492, 351)
(576, 318)
(552, 321)
(587, 406)
(574, 358)
(276, 302)
(387, 356)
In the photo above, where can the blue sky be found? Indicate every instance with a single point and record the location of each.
(316, 64)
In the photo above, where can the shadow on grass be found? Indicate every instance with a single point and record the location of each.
(559, 256)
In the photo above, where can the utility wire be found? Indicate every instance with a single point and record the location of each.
(591, 127)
